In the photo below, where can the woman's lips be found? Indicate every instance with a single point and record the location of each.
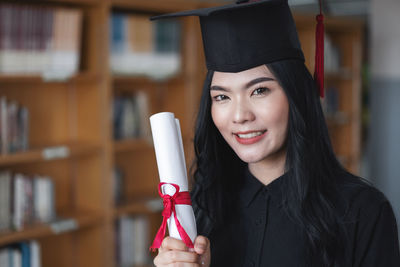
(249, 137)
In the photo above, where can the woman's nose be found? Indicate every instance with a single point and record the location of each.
(242, 113)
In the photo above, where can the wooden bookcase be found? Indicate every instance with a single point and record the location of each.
(76, 114)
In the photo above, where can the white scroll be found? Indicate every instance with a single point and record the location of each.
(168, 147)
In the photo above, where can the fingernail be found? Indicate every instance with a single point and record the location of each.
(191, 249)
(201, 246)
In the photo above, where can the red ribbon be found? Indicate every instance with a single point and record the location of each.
(319, 52)
(181, 198)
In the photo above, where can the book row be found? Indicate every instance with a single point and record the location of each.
(118, 185)
(25, 200)
(142, 47)
(14, 126)
(24, 254)
(332, 56)
(130, 116)
(130, 120)
(132, 241)
(39, 40)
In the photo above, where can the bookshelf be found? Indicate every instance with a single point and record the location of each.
(71, 127)
(68, 137)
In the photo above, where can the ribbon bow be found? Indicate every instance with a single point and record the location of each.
(182, 198)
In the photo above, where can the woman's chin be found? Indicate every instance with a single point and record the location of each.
(250, 158)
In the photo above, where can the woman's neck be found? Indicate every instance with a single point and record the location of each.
(269, 168)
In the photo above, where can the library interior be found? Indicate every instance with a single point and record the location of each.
(79, 80)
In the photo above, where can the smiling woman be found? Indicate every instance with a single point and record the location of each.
(250, 109)
(267, 187)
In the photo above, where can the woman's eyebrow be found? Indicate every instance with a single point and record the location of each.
(258, 80)
(249, 84)
(218, 88)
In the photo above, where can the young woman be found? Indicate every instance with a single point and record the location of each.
(268, 189)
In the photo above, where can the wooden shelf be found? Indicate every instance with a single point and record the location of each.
(82, 219)
(34, 80)
(63, 2)
(143, 81)
(156, 5)
(340, 118)
(131, 145)
(343, 74)
(81, 2)
(49, 153)
(143, 205)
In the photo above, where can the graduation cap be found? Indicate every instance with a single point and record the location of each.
(246, 34)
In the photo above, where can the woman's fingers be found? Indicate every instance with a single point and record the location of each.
(201, 244)
(170, 243)
(176, 256)
(174, 252)
(202, 247)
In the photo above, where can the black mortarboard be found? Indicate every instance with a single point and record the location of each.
(246, 34)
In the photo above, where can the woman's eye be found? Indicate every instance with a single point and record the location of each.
(220, 97)
(260, 91)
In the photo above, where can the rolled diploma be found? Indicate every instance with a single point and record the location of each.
(171, 164)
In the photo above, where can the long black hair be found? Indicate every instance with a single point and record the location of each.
(311, 193)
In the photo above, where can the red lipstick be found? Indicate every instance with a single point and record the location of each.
(249, 140)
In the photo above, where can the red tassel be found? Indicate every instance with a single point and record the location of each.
(319, 53)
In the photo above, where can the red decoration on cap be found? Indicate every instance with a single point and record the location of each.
(319, 52)
(181, 198)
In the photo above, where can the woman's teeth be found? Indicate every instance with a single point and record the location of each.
(250, 135)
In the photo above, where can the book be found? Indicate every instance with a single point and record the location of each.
(142, 103)
(18, 201)
(130, 116)
(35, 253)
(4, 126)
(139, 34)
(65, 43)
(12, 110)
(4, 257)
(14, 127)
(118, 184)
(5, 196)
(141, 47)
(23, 254)
(141, 241)
(332, 55)
(36, 40)
(25, 200)
(132, 241)
(44, 206)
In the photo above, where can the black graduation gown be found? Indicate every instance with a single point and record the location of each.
(262, 234)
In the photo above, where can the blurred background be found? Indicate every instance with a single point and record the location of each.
(79, 79)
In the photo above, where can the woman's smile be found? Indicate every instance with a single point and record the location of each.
(249, 137)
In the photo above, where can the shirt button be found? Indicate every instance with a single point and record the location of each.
(264, 193)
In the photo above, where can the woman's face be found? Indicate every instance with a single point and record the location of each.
(251, 111)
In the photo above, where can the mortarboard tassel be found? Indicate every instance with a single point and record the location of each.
(319, 52)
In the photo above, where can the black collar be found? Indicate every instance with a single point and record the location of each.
(252, 187)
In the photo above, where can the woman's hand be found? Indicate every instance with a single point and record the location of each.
(174, 252)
